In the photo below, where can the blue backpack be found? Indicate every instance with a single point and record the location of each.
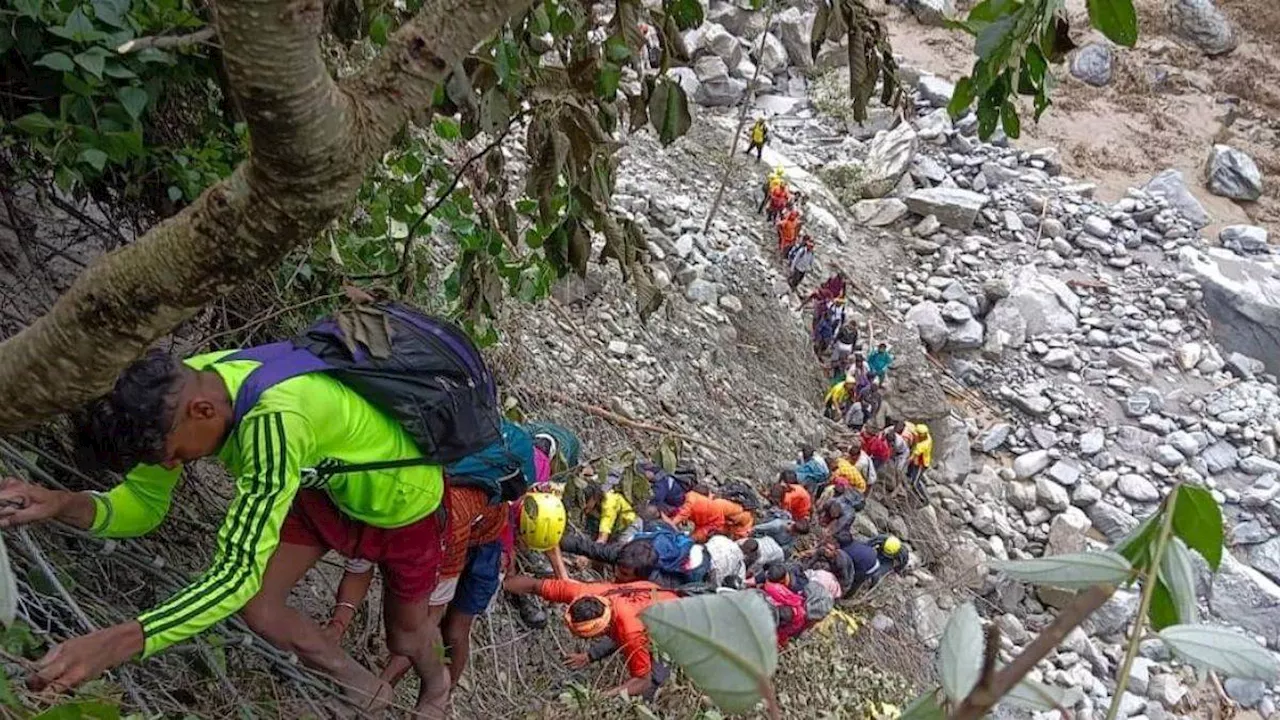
(424, 373)
(672, 549)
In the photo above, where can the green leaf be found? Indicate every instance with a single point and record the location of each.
(1221, 650)
(1056, 40)
(1177, 576)
(378, 29)
(1009, 120)
(616, 49)
(87, 710)
(1072, 572)
(35, 124)
(118, 71)
(607, 81)
(992, 37)
(1136, 546)
(175, 193)
(134, 100)
(446, 128)
(1197, 520)
(988, 11)
(78, 28)
(539, 21)
(7, 698)
(29, 8)
(94, 157)
(962, 98)
(669, 111)
(924, 707)
(565, 23)
(580, 250)
(686, 13)
(56, 61)
(1036, 696)
(1116, 19)
(92, 60)
(725, 643)
(960, 652)
(988, 117)
(112, 12)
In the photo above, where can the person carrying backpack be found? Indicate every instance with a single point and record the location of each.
(800, 261)
(759, 135)
(598, 609)
(321, 461)
(789, 608)
(613, 511)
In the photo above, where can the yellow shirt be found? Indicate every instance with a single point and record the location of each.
(615, 511)
(849, 473)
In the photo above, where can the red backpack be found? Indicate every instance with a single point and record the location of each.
(781, 596)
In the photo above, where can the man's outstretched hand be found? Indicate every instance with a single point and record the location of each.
(22, 503)
(520, 584)
(84, 658)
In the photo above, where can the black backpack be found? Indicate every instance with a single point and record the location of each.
(422, 371)
(741, 493)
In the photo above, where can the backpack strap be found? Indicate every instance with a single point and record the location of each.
(280, 361)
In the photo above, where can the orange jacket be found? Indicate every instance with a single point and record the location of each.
(788, 231)
(797, 501)
(779, 197)
(627, 601)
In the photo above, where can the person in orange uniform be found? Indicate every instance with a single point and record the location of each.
(788, 231)
(711, 515)
(792, 496)
(597, 609)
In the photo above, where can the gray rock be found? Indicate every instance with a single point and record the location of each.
(1243, 366)
(994, 437)
(953, 207)
(934, 90)
(880, 212)
(1115, 615)
(1184, 442)
(1035, 405)
(1134, 439)
(1028, 465)
(1167, 455)
(1022, 495)
(1245, 239)
(965, 336)
(618, 348)
(1096, 226)
(1012, 628)
(1068, 531)
(1249, 532)
(956, 311)
(927, 318)
(1132, 360)
(1265, 558)
(1059, 358)
(1137, 488)
(1111, 521)
(1092, 442)
(743, 22)
(718, 41)
(1065, 473)
(1242, 298)
(794, 28)
(1231, 173)
(1140, 674)
(1172, 187)
(730, 304)
(1203, 24)
(1220, 456)
(715, 87)
(1006, 325)
(702, 291)
(1051, 495)
(1085, 494)
(1245, 597)
(1188, 355)
(951, 459)
(1045, 303)
(1248, 693)
(1092, 64)
(1258, 465)
(1166, 689)
(933, 12)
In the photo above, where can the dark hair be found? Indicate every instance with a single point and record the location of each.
(787, 476)
(592, 493)
(638, 556)
(801, 527)
(806, 449)
(586, 608)
(750, 546)
(776, 573)
(701, 489)
(128, 425)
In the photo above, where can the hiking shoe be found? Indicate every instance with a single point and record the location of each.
(531, 612)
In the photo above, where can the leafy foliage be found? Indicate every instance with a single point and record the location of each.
(724, 643)
(871, 62)
(1197, 521)
(1073, 571)
(1015, 40)
(960, 652)
(1221, 650)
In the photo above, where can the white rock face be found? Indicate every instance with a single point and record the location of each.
(1243, 299)
(887, 160)
(953, 207)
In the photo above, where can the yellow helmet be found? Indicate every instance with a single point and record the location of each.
(542, 520)
(892, 545)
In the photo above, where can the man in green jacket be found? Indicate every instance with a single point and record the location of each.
(163, 413)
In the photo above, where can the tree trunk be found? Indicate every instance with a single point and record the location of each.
(313, 141)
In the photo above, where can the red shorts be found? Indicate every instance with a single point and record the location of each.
(409, 556)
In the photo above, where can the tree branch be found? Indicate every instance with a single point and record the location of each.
(313, 141)
(984, 697)
(161, 42)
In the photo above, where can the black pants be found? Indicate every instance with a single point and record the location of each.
(794, 279)
(759, 150)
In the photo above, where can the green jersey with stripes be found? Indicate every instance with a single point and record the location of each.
(304, 422)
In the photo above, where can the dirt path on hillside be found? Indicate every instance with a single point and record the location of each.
(1166, 107)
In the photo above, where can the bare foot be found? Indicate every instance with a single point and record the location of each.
(373, 698)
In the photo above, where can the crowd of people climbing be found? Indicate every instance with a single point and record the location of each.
(378, 434)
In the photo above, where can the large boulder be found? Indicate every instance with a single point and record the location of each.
(718, 41)
(794, 28)
(927, 317)
(933, 12)
(887, 160)
(1171, 186)
(741, 21)
(1243, 596)
(1265, 558)
(879, 212)
(1231, 173)
(953, 207)
(951, 459)
(1242, 297)
(1243, 239)
(1203, 24)
(773, 56)
(1044, 303)
(715, 87)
